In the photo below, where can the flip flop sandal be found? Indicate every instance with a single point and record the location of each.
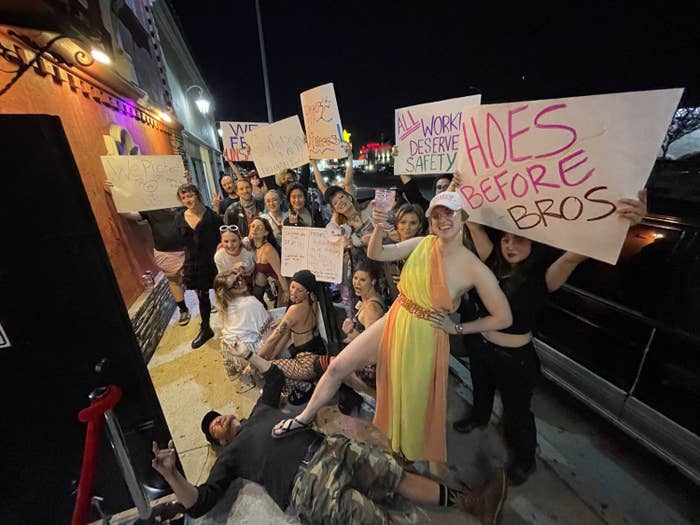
(286, 430)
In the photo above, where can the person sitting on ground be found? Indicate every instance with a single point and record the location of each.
(300, 325)
(245, 319)
(325, 480)
(369, 309)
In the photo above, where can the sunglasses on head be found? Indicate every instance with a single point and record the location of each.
(229, 228)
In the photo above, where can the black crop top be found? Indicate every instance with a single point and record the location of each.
(526, 299)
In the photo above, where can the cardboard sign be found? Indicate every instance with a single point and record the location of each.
(277, 146)
(554, 170)
(310, 249)
(144, 182)
(324, 132)
(233, 139)
(427, 136)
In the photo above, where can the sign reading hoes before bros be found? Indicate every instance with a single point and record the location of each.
(427, 136)
(277, 146)
(554, 170)
(324, 132)
(144, 182)
(310, 249)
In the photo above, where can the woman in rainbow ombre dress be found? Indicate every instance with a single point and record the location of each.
(408, 344)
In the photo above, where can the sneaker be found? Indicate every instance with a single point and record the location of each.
(184, 318)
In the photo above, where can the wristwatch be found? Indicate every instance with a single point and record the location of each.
(459, 329)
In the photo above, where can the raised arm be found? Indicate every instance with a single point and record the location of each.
(235, 172)
(317, 176)
(560, 270)
(482, 242)
(379, 251)
(165, 462)
(349, 182)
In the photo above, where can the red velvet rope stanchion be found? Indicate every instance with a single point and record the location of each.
(94, 417)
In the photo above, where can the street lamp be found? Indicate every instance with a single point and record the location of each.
(202, 102)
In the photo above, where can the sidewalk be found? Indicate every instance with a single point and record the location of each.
(574, 483)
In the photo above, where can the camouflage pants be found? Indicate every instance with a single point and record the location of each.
(344, 482)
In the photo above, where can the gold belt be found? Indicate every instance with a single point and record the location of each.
(414, 308)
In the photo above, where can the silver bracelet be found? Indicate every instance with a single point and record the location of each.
(458, 329)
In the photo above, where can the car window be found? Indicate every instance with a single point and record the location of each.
(656, 274)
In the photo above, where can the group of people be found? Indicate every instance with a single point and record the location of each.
(405, 273)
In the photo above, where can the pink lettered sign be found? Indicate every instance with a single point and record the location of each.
(554, 170)
(427, 136)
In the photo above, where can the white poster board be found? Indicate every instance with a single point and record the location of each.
(233, 139)
(427, 136)
(277, 146)
(310, 249)
(554, 170)
(144, 182)
(324, 132)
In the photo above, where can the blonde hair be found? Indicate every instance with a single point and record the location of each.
(280, 176)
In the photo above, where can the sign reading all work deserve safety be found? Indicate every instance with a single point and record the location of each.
(278, 146)
(144, 182)
(427, 136)
(554, 170)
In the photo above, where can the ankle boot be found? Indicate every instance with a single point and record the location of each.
(487, 504)
(205, 333)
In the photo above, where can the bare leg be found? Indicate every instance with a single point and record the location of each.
(362, 351)
(420, 490)
(176, 289)
(358, 385)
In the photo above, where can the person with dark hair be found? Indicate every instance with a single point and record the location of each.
(198, 226)
(267, 273)
(168, 247)
(324, 480)
(245, 209)
(300, 214)
(505, 359)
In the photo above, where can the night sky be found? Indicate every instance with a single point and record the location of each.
(381, 56)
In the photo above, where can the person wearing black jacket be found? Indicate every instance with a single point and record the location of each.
(325, 479)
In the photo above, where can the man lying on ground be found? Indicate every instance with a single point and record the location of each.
(325, 479)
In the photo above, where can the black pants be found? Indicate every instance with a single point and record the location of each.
(514, 372)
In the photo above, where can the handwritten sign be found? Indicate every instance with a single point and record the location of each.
(233, 138)
(554, 170)
(309, 249)
(427, 136)
(324, 132)
(144, 182)
(278, 145)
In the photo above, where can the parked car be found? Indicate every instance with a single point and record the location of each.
(625, 339)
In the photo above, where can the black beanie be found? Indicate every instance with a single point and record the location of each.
(306, 279)
(206, 421)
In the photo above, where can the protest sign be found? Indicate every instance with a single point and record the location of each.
(233, 139)
(554, 170)
(144, 182)
(427, 136)
(324, 132)
(277, 146)
(309, 249)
